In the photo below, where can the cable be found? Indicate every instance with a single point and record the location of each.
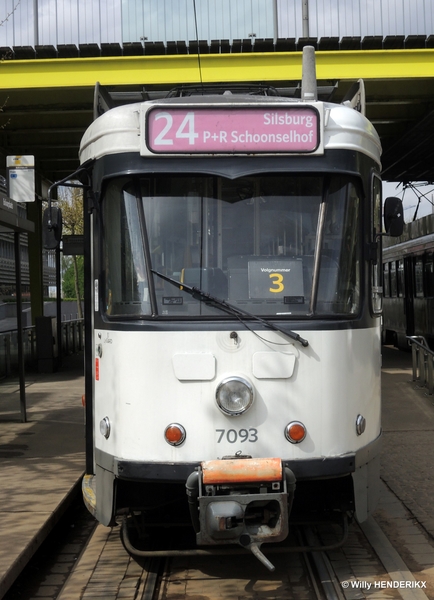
(198, 49)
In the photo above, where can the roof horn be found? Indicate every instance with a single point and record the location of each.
(309, 90)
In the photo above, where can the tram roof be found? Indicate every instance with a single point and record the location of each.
(410, 247)
(343, 127)
(417, 238)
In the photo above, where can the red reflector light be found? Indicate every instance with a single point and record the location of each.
(174, 434)
(295, 432)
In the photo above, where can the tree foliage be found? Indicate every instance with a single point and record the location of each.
(68, 280)
(71, 204)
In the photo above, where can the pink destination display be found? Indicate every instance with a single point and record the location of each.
(219, 130)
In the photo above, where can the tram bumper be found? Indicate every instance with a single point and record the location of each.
(241, 501)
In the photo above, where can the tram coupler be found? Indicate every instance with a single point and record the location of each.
(243, 501)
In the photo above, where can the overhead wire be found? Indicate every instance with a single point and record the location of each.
(198, 48)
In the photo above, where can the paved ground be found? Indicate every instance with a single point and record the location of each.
(407, 465)
(40, 461)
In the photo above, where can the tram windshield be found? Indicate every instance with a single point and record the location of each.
(274, 245)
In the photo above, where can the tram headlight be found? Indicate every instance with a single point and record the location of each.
(234, 396)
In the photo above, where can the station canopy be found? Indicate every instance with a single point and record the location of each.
(48, 122)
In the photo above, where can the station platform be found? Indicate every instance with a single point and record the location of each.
(407, 455)
(42, 461)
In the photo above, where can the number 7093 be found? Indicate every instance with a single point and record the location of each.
(242, 435)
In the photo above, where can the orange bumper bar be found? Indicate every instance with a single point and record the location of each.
(242, 470)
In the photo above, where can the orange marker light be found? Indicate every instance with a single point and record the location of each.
(174, 434)
(295, 432)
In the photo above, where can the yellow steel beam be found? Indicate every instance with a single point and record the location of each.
(173, 69)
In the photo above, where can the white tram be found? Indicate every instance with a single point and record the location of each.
(234, 304)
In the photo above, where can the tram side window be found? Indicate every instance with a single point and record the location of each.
(126, 286)
(418, 277)
(400, 279)
(340, 286)
(429, 275)
(393, 280)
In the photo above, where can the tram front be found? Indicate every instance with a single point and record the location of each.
(235, 305)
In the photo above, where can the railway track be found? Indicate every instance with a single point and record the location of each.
(237, 577)
(92, 563)
(354, 571)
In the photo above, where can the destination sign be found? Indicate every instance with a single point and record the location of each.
(209, 130)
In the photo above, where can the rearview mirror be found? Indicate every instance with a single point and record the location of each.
(52, 227)
(393, 216)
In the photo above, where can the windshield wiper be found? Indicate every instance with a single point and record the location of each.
(199, 294)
